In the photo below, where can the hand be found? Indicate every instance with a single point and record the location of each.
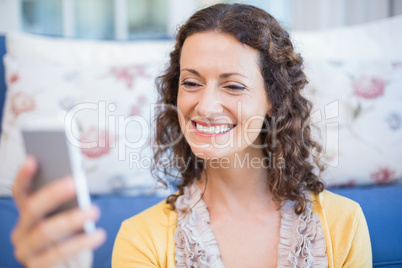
(41, 241)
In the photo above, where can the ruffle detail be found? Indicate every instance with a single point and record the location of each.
(302, 241)
(196, 245)
(301, 244)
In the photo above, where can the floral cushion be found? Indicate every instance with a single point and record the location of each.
(358, 110)
(112, 104)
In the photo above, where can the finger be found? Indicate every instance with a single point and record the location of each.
(22, 184)
(61, 252)
(44, 201)
(56, 228)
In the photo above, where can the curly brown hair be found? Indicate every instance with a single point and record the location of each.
(286, 135)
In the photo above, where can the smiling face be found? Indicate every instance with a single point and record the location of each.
(221, 99)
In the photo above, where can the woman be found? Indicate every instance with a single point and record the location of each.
(249, 195)
(236, 82)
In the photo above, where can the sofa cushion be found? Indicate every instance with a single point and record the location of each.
(376, 40)
(358, 112)
(112, 104)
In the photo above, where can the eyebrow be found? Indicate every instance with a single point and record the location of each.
(224, 75)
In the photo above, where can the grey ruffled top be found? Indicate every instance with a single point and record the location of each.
(301, 244)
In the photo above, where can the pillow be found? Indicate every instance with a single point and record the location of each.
(112, 105)
(85, 52)
(377, 40)
(357, 109)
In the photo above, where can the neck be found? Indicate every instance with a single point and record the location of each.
(236, 185)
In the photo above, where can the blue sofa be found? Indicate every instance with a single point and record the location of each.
(382, 206)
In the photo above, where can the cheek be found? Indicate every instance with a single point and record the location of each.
(182, 101)
(252, 125)
(182, 110)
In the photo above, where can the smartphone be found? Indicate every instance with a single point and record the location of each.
(57, 157)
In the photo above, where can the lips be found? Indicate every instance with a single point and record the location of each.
(211, 128)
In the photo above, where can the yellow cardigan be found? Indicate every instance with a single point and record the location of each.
(146, 240)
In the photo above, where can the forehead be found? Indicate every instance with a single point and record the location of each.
(220, 51)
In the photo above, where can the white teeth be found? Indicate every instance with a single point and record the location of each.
(213, 130)
(199, 128)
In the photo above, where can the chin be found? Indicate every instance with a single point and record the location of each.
(205, 154)
(214, 153)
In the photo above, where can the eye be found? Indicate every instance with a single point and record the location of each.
(189, 84)
(235, 87)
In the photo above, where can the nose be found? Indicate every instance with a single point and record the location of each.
(209, 103)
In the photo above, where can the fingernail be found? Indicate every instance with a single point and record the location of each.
(30, 159)
(30, 163)
(93, 212)
(99, 235)
(96, 210)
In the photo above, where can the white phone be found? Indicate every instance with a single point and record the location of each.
(48, 142)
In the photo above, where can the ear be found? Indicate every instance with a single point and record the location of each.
(269, 113)
(270, 108)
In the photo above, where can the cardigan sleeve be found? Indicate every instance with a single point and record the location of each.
(360, 254)
(147, 239)
(131, 248)
(345, 230)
